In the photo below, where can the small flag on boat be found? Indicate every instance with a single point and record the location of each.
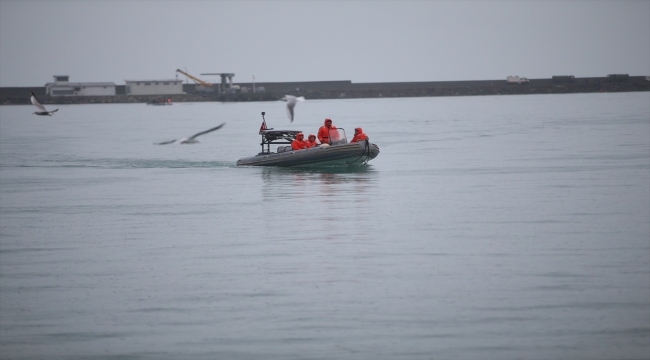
(263, 127)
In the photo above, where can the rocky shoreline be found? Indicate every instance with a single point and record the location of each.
(348, 90)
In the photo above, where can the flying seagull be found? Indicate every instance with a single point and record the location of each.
(43, 111)
(291, 103)
(191, 139)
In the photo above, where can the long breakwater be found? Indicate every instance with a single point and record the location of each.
(346, 90)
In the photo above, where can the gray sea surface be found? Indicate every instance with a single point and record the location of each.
(493, 227)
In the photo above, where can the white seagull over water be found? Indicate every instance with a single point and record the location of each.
(291, 103)
(191, 139)
(43, 111)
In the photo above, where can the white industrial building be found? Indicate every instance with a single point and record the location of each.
(63, 87)
(153, 87)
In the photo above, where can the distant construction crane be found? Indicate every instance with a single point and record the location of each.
(197, 80)
(208, 87)
(226, 80)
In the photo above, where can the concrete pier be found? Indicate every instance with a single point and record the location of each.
(346, 89)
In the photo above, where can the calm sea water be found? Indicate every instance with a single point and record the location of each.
(497, 227)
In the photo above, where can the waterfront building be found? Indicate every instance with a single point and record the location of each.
(153, 87)
(63, 87)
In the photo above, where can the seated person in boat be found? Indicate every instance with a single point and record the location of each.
(358, 135)
(311, 140)
(298, 143)
(327, 132)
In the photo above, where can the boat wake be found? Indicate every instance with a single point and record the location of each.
(129, 164)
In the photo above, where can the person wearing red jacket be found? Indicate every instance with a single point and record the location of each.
(298, 143)
(311, 140)
(326, 131)
(358, 135)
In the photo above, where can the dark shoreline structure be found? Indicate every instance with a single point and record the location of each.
(348, 90)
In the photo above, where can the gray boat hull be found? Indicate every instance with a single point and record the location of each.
(351, 154)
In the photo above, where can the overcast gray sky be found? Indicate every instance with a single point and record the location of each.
(361, 41)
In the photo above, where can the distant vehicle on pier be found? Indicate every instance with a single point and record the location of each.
(516, 80)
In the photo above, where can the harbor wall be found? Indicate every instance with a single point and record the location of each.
(274, 91)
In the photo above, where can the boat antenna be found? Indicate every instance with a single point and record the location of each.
(263, 116)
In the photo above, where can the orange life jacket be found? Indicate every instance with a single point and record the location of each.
(358, 135)
(299, 144)
(324, 132)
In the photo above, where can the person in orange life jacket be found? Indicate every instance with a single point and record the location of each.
(311, 140)
(358, 135)
(298, 143)
(326, 131)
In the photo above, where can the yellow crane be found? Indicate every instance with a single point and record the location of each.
(197, 80)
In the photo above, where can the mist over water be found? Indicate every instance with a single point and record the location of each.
(497, 227)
